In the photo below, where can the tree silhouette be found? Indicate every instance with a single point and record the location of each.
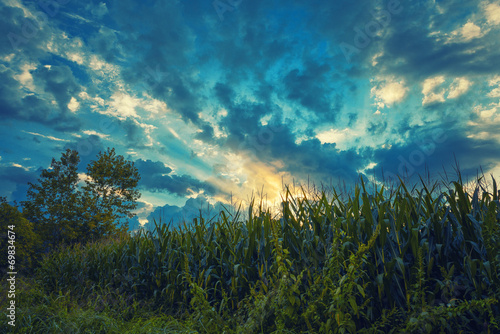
(65, 213)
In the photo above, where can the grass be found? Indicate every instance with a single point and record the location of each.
(419, 260)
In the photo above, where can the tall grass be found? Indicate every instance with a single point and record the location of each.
(405, 260)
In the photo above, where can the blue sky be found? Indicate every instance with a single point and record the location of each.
(218, 98)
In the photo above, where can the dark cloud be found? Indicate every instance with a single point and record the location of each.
(155, 176)
(422, 53)
(59, 82)
(25, 41)
(158, 53)
(149, 167)
(376, 129)
(243, 118)
(224, 93)
(424, 57)
(132, 132)
(17, 104)
(435, 149)
(308, 159)
(206, 133)
(11, 22)
(14, 182)
(242, 122)
(278, 142)
(312, 89)
(25, 37)
(105, 42)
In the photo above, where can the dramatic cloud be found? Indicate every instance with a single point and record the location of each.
(156, 176)
(429, 151)
(50, 110)
(223, 101)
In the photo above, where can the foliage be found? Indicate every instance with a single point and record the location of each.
(104, 312)
(64, 213)
(26, 242)
(110, 192)
(52, 203)
(420, 261)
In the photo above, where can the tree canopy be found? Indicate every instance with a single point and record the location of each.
(65, 212)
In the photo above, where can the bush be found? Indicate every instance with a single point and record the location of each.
(26, 242)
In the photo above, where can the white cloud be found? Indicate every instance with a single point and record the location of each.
(469, 31)
(96, 102)
(73, 105)
(18, 4)
(25, 78)
(459, 87)
(486, 125)
(388, 92)
(371, 165)
(172, 131)
(78, 17)
(8, 58)
(431, 83)
(95, 133)
(82, 177)
(494, 81)
(483, 135)
(376, 57)
(123, 105)
(334, 136)
(222, 113)
(77, 58)
(148, 129)
(492, 12)
(428, 89)
(105, 70)
(145, 209)
(465, 33)
(495, 171)
(434, 92)
(154, 106)
(486, 113)
(43, 136)
(96, 64)
(496, 91)
(20, 166)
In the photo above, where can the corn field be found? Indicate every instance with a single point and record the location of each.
(420, 260)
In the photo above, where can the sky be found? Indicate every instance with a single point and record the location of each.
(214, 101)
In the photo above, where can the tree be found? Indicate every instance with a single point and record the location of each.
(51, 203)
(65, 213)
(110, 193)
(26, 243)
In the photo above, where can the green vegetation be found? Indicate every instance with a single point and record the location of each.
(421, 260)
(27, 241)
(64, 213)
